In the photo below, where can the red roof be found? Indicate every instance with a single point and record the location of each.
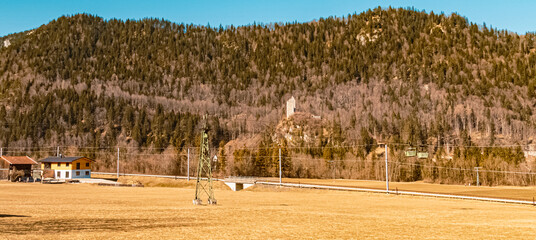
(18, 160)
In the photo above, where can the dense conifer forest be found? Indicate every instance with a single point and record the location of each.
(400, 76)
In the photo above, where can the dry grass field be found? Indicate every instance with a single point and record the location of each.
(507, 192)
(83, 211)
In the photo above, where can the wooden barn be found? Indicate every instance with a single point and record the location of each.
(68, 167)
(19, 167)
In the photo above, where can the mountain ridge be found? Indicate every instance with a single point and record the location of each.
(403, 76)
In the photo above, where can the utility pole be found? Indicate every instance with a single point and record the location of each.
(332, 165)
(1, 152)
(448, 152)
(188, 170)
(279, 166)
(477, 177)
(117, 163)
(203, 185)
(386, 171)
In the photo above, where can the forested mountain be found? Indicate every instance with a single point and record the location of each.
(395, 75)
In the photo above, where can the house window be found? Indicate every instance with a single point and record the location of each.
(59, 164)
(58, 174)
(66, 164)
(87, 173)
(77, 165)
(77, 173)
(87, 164)
(66, 174)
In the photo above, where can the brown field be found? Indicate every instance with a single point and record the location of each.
(82, 211)
(507, 192)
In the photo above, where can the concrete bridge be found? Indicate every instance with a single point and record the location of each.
(239, 183)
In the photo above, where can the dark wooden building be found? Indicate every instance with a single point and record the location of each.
(18, 167)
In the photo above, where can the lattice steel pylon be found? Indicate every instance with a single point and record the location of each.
(203, 185)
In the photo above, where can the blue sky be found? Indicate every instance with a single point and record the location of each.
(16, 16)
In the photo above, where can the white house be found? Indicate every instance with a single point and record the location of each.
(530, 151)
(68, 167)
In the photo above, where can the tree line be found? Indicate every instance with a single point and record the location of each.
(384, 75)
